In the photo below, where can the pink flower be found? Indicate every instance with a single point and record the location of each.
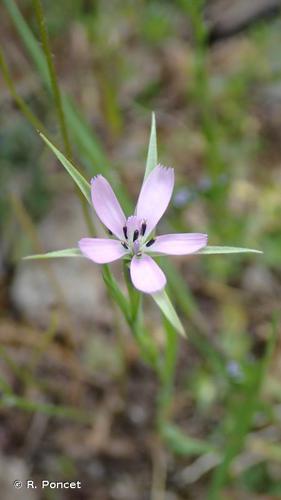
(134, 234)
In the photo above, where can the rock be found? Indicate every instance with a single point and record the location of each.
(38, 285)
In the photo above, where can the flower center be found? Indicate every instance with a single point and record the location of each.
(135, 237)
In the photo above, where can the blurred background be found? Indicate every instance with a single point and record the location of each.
(77, 401)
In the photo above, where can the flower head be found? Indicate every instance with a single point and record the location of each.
(134, 235)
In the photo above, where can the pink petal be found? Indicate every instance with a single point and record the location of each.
(155, 196)
(178, 244)
(146, 275)
(107, 206)
(102, 250)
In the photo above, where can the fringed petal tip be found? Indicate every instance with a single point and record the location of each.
(107, 206)
(165, 169)
(96, 177)
(155, 195)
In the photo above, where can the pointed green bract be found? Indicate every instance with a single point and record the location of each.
(219, 250)
(151, 160)
(167, 308)
(67, 252)
(78, 178)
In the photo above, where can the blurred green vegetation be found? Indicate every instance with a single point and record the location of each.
(216, 112)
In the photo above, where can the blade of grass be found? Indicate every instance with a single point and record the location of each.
(95, 158)
(201, 88)
(84, 137)
(57, 97)
(13, 401)
(28, 39)
(34, 121)
(76, 123)
(38, 125)
(242, 410)
(52, 74)
(81, 133)
(183, 444)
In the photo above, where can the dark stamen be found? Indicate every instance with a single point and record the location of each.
(124, 245)
(143, 228)
(136, 235)
(125, 231)
(150, 242)
(139, 254)
(110, 232)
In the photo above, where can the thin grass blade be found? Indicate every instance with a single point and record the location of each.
(182, 444)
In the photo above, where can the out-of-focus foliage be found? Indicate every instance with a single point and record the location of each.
(218, 108)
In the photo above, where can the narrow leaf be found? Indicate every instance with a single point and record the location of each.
(183, 444)
(29, 39)
(45, 42)
(79, 128)
(151, 161)
(167, 308)
(216, 250)
(13, 401)
(85, 137)
(68, 252)
(78, 178)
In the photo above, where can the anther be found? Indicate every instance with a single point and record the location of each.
(136, 235)
(124, 245)
(125, 231)
(143, 228)
(150, 242)
(138, 254)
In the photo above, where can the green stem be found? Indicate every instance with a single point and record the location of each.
(164, 367)
(53, 76)
(167, 373)
(134, 295)
(144, 340)
(34, 121)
